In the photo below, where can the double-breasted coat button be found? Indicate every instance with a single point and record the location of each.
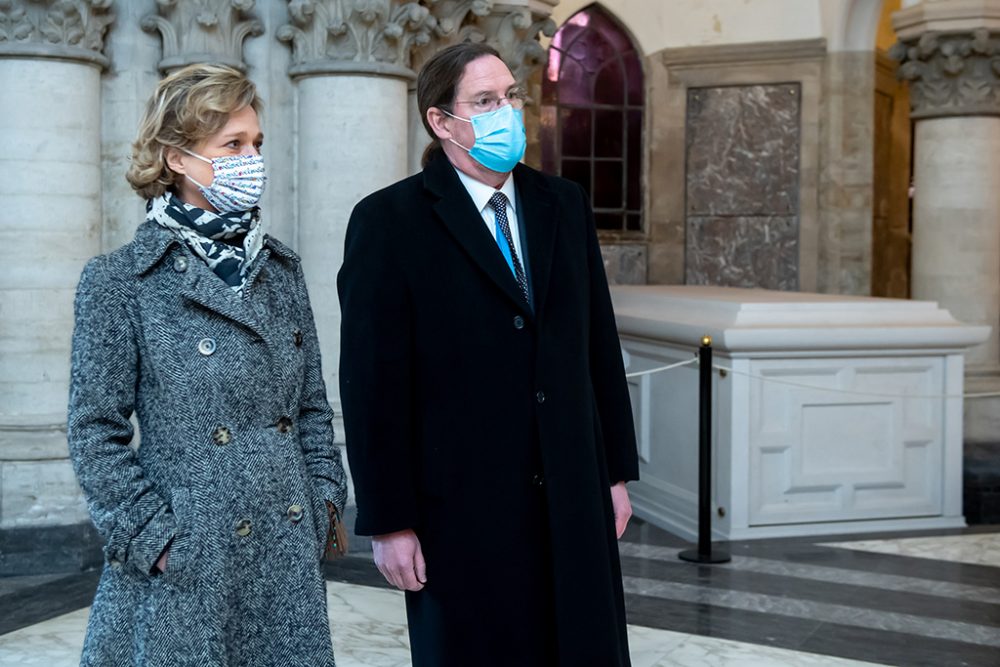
(206, 346)
(297, 337)
(180, 264)
(115, 563)
(540, 396)
(518, 322)
(295, 513)
(222, 436)
(243, 527)
(284, 425)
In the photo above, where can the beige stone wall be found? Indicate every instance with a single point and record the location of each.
(845, 193)
(670, 73)
(727, 42)
(662, 24)
(835, 194)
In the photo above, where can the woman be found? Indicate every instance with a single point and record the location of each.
(201, 327)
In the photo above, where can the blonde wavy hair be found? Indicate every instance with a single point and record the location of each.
(188, 106)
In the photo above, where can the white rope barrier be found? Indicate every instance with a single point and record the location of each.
(801, 385)
(660, 369)
(986, 394)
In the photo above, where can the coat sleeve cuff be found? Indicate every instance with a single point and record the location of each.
(146, 546)
(623, 471)
(329, 491)
(372, 526)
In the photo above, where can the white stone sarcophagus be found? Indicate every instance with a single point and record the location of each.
(832, 414)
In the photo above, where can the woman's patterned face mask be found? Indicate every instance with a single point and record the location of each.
(237, 181)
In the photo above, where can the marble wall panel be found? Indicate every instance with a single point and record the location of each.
(742, 147)
(751, 251)
(671, 73)
(743, 150)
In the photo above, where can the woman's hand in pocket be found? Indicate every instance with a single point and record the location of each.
(161, 562)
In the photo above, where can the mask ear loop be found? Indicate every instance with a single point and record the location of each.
(203, 159)
(466, 120)
(200, 157)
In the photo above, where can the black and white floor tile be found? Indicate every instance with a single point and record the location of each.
(914, 600)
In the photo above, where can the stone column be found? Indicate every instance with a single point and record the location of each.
(512, 27)
(950, 55)
(50, 225)
(351, 62)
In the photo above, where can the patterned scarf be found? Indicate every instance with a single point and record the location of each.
(204, 232)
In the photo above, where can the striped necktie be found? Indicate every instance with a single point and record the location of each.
(506, 242)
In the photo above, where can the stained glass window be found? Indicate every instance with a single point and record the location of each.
(592, 106)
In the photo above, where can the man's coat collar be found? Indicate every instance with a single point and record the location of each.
(459, 215)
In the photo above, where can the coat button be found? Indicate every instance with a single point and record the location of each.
(115, 563)
(297, 337)
(206, 346)
(540, 396)
(222, 436)
(518, 322)
(284, 425)
(295, 513)
(243, 527)
(180, 264)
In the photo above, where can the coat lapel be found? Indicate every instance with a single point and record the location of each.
(198, 283)
(539, 217)
(463, 221)
(209, 291)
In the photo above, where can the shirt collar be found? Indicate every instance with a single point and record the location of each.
(481, 193)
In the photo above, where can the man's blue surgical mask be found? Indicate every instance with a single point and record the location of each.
(500, 138)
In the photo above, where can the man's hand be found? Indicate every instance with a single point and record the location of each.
(622, 507)
(400, 560)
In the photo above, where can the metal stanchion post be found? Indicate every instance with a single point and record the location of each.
(704, 553)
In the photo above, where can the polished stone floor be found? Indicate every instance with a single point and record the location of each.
(921, 599)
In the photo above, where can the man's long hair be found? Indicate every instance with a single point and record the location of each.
(438, 80)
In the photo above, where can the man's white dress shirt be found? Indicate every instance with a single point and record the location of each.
(481, 193)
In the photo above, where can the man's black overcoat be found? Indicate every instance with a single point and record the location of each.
(492, 428)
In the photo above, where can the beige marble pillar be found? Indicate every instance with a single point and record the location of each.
(351, 62)
(949, 51)
(50, 225)
(956, 231)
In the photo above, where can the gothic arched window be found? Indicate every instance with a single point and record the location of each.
(592, 105)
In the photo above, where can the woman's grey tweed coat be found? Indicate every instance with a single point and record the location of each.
(236, 431)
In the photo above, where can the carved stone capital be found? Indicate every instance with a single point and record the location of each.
(60, 29)
(195, 31)
(510, 26)
(455, 21)
(514, 31)
(951, 74)
(355, 36)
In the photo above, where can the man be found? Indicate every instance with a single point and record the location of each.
(488, 422)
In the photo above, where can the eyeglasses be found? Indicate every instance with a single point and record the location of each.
(486, 103)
